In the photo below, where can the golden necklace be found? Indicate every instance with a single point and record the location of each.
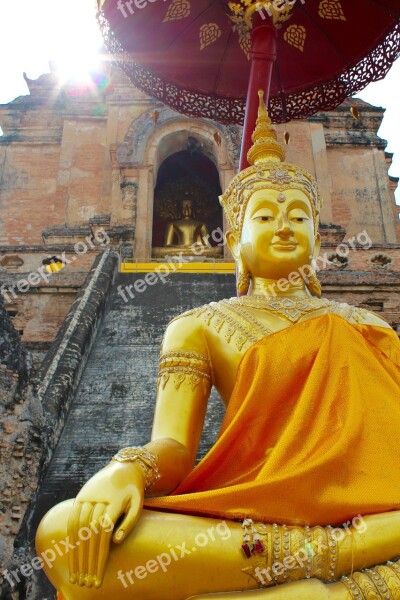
(288, 308)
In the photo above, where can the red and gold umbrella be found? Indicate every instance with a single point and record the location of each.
(208, 58)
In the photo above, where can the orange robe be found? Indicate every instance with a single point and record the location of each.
(311, 434)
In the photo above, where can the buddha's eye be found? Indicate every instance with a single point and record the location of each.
(298, 216)
(264, 218)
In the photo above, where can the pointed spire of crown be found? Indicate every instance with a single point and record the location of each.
(265, 146)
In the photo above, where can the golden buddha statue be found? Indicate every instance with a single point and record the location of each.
(299, 497)
(187, 230)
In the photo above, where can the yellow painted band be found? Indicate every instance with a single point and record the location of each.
(195, 267)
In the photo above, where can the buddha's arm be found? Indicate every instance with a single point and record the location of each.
(204, 234)
(117, 491)
(183, 389)
(169, 235)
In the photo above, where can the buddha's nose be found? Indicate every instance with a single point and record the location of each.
(284, 228)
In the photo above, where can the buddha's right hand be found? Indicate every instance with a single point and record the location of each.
(115, 491)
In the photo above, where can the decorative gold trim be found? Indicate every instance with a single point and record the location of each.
(179, 374)
(279, 545)
(243, 277)
(177, 10)
(180, 356)
(280, 176)
(381, 582)
(277, 11)
(235, 324)
(178, 366)
(209, 34)
(291, 309)
(296, 35)
(233, 319)
(146, 460)
(245, 44)
(331, 9)
(352, 314)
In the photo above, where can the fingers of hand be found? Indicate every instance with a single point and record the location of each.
(90, 528)
(103, 547)
(131, 516)
(84, 535)
(100, 521)
(73, 528)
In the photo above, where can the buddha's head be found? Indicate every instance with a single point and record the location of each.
(187, 208)
(273, 211)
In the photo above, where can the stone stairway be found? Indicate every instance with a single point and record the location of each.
(114, 402)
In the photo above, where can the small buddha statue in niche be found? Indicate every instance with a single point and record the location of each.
(309, 442)
(187, 231)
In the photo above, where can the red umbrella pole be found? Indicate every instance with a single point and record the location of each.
(263, 55)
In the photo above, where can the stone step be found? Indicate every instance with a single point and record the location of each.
(114, 403)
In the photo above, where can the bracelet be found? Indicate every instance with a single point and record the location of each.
(146, 461)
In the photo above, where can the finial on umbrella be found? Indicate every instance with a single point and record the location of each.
(265, 146)
(278, 11)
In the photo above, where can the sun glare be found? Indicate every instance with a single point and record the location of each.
(75, 50)
(63, 33)
(76, 67)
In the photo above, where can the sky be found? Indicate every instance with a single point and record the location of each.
(65, 31)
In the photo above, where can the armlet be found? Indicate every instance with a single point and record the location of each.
(179, 366)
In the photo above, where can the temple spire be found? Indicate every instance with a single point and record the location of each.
(265, 146)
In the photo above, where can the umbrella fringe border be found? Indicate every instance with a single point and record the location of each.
(323, 96)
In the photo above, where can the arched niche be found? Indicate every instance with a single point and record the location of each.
(155, 136)
(187, 171)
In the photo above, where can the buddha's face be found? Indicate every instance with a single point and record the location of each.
(278, 233)
(187, 208)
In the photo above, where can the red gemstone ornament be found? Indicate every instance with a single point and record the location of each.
(247, 549)
(258, 546)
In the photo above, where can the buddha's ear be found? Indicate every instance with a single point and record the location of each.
(317, 245)
(233, 244)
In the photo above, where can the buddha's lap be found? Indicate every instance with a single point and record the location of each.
(222, 539)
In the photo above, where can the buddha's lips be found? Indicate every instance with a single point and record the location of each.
(285, 245)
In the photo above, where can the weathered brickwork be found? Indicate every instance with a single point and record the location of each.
(28, 179)
(20, 439)
(38, 311)
(33, 416)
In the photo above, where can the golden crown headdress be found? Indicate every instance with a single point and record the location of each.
(267, 171)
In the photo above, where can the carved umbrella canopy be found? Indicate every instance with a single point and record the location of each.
(208, 58)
